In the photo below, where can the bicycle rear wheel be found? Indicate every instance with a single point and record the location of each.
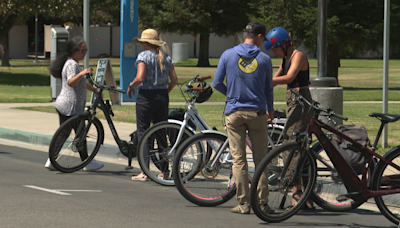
(386, 177)
(275, 205)
(202, 175)
(153, 151)
(329, 184)
(67, 151)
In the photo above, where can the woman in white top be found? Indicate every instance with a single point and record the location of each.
(72, 98)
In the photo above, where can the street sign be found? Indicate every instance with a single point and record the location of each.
(105, 73)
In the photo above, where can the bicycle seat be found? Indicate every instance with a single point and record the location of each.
(387, 117)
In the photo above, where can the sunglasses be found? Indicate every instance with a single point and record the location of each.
(83, 50)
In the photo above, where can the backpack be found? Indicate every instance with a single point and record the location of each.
(356, 158)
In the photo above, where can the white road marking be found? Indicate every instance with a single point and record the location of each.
(67, 190)
(59, 191)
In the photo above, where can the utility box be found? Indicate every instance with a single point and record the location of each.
(59, 39)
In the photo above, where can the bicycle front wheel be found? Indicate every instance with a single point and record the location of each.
(154, 149)
(201, 171)
(387, 177)
(75, 143)
(275, 204)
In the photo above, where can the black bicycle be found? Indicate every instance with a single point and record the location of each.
(77, 140)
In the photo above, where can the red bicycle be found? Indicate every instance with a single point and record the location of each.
(298, 167)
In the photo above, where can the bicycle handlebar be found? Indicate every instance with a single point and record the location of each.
(314, 105)
(104, 87)
(197, 79)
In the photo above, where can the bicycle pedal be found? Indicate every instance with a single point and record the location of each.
(344, 197)
(341, 198)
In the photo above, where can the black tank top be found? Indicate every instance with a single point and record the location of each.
(302, 78)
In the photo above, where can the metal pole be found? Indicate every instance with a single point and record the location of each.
(36, 38)
(322, 38)
(386, 32)
(86, 31)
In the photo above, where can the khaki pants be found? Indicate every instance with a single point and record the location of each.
(257, 126)
(297, 120)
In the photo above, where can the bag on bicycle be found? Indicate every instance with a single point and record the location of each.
(354, 157)
(178, 114)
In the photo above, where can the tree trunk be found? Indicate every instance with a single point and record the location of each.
(333, 62)
(203, 52)
(5, 61)
(5, 26)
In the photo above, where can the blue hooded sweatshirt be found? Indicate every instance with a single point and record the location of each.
(248, 73)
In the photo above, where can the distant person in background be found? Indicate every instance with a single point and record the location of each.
(294, 72)
(154, 69)
(72, 98)
(68, 29)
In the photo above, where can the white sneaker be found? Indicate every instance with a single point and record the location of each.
(49, 166)
(93, 166)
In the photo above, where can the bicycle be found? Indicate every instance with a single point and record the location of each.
(381, 185)
(70, 151)
(213, 192)
(157, 146)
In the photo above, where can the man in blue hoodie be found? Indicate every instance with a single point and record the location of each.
(249, 107)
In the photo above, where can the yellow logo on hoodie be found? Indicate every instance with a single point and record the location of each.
(248, 66)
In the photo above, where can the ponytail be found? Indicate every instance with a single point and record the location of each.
(160, 59)
(57, 65)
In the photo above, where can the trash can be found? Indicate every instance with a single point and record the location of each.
(180, 52)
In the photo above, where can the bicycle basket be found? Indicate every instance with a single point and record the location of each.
(205, 94)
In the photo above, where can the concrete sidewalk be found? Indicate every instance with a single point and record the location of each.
(37, 128)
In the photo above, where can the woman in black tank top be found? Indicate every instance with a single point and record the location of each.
(293, 72)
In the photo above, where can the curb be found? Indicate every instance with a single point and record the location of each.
(105, 151)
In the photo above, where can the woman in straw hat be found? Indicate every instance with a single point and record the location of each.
(154, 68)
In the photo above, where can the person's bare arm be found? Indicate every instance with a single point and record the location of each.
(298, 62)
(173, 77)
(140, 75)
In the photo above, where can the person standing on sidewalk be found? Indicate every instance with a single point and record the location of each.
(294, 72)
(72, 98)
(249, 107)
(154, 68)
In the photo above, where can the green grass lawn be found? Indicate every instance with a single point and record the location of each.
(361, 79)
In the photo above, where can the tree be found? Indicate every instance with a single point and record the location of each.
(14, 10)
(352, 26)
(102, 12)
(221, 17)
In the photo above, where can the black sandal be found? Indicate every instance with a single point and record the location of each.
(296, 196)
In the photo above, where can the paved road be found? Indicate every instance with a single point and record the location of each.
(33, 197)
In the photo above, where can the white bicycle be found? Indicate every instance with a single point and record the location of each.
(158, 145)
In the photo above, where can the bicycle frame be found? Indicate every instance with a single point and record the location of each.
(193, 115)
(356, 187)
(105, 106)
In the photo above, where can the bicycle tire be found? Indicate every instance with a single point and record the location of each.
(280, 200)
(386, 177)
(160, 138)
(64, 152)
(198, 199)
(329, 184)
(195, 179)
